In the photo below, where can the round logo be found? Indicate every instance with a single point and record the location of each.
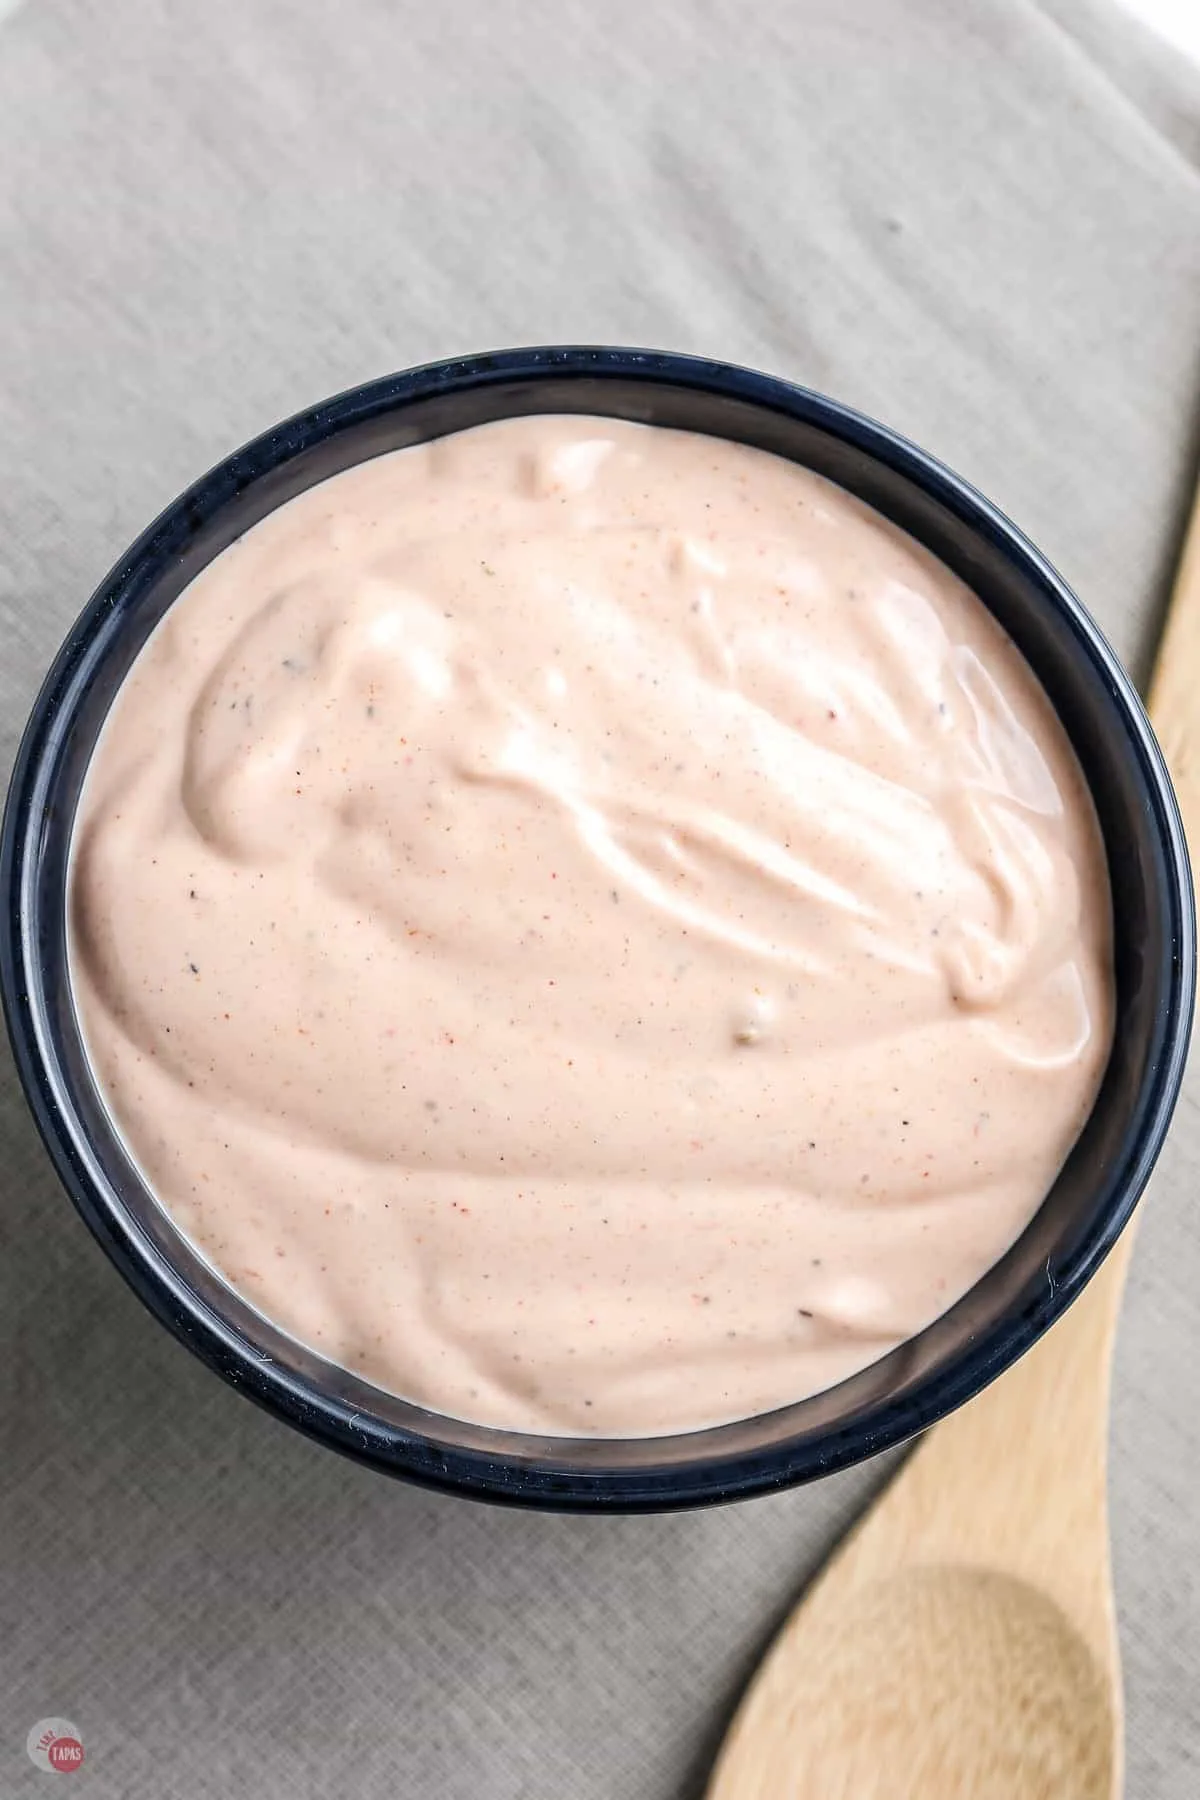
(55, 1746)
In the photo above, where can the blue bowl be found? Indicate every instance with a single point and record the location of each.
(926, 1377)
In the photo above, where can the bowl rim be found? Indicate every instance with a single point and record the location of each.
(463, 1470)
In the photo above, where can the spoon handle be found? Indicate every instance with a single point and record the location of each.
(1175, 684)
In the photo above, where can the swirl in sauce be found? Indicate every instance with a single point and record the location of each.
(591, 927)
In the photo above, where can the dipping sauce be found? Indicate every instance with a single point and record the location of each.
(590, 927)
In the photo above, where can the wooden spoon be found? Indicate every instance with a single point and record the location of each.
(962, 1644)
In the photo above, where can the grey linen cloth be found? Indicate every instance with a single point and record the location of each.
(980, 222)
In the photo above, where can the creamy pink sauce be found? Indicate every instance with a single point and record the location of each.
(590, 927)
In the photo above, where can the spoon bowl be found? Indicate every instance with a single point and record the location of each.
(941, 1681)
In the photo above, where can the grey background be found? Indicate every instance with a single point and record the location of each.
(981, 223)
